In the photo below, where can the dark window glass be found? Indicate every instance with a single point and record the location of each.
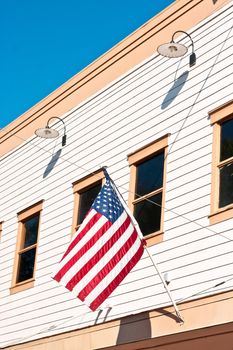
(226, 148)
(226, 185)
(148, 214)
(86, 199)
(26, 265)
(31, 230)
(150, 175)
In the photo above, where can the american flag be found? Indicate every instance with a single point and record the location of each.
(102, 252)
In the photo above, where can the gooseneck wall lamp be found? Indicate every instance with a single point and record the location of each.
(173, 49)
(49, 133)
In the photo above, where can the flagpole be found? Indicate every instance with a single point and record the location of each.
(165, 286)
(181, 320)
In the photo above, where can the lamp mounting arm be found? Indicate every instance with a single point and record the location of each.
(181, 31)
(64, 136)
(58, 119)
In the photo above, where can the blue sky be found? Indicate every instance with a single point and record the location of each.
(46, 42)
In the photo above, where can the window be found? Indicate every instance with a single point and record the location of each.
(28, 230)
(222, 164)
(146, 195)
(85, 191)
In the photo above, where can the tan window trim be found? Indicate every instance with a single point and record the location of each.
(135, 158)
(218, 116)
(81, 185)
(33, 209)
(23, 215)
(22, 286)
(146, 151)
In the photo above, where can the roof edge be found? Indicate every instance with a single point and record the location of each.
(135, 48)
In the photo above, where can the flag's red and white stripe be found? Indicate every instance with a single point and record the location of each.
(99, 257)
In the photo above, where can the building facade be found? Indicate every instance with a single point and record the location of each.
(165, 132)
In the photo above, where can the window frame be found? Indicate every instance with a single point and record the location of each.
(79, 187)
(217, 117)
(134, 159)
(22, 217)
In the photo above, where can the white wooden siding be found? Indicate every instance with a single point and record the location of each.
(138, 108)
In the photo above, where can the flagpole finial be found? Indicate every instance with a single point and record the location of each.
(106, 172)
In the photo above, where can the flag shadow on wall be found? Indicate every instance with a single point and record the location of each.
(134, 328)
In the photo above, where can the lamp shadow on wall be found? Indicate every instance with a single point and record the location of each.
(52, 163)
(175, 89)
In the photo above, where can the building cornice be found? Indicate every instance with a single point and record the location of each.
(135, 48)
(205, 317)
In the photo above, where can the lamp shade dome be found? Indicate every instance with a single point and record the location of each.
(47, 133)
(172, 50)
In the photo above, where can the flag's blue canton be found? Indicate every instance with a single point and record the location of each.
(107, 203)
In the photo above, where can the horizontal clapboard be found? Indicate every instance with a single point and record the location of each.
(159, 96)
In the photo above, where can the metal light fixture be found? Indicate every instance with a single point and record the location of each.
(173, 49)
(48, 133)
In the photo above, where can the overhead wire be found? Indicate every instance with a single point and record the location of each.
(129, 191)
(204, 290)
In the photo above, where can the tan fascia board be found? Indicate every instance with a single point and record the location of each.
(141, 44)
(203, 317)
